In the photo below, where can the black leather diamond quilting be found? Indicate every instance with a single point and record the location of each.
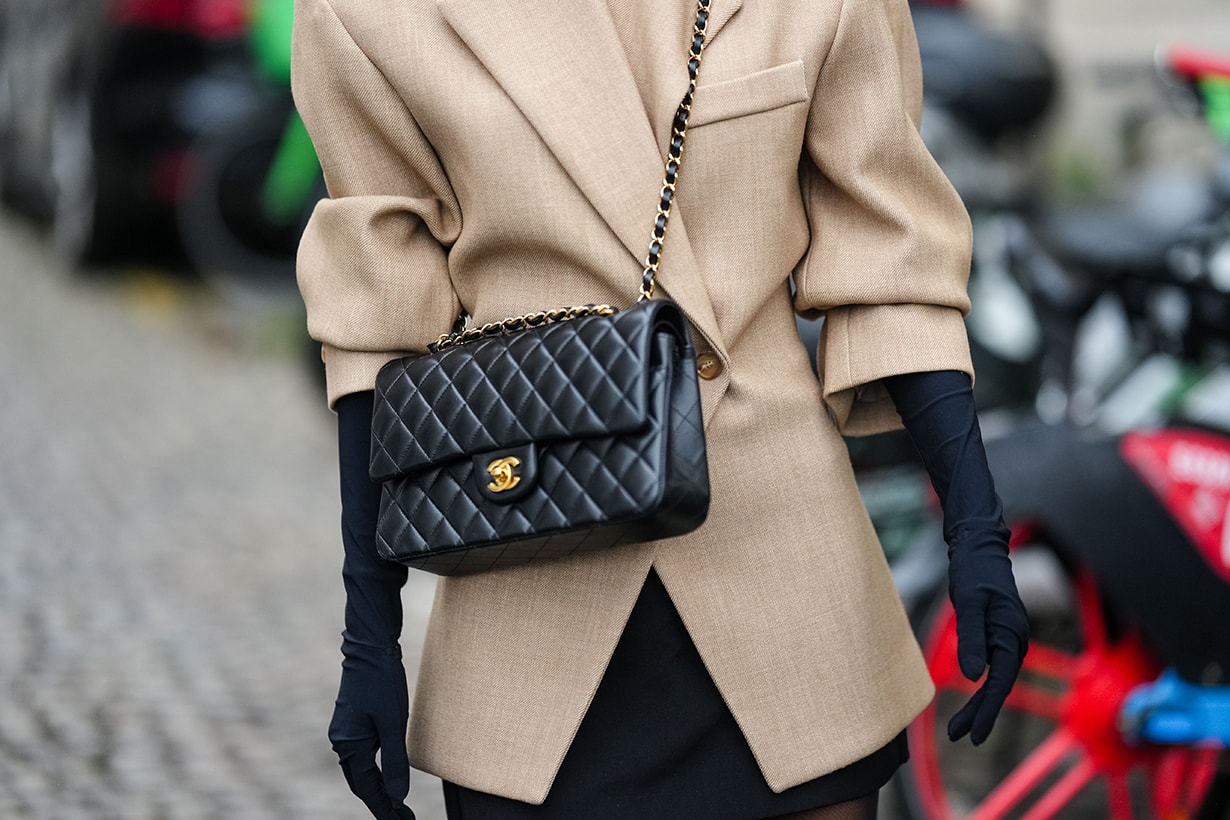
(611, 407)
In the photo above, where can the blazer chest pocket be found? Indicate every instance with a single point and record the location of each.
(764, 90)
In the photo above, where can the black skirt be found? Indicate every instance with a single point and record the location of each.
(659, 742)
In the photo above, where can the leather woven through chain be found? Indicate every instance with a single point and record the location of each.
(674, 151)
(514, 323)
(609, 407)
(674, 157)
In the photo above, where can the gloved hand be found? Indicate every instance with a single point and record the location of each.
(372, 704)
(937, 409)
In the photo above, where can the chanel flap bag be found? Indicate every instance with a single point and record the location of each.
(545, 435)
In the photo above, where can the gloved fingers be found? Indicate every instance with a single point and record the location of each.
(394, 761)
(1006, 660)
(358, 761)
(961, 723)
(978, 716)
(971, 639)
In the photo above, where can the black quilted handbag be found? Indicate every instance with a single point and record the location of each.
(550, 434)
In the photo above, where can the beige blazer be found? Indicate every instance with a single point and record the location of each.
(505, 156)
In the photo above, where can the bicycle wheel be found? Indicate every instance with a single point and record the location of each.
(1056, 750)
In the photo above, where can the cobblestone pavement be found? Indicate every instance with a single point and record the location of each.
(169, 593)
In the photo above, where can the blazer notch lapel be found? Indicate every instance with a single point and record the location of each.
(719, 15)
(564, 68)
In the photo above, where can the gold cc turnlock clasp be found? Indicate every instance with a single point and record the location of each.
(504, 474)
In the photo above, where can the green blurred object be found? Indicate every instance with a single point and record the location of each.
(270, 32)
(1216, 92)
(293, 173)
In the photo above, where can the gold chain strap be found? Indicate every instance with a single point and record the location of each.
(545, 317)
(674, 155)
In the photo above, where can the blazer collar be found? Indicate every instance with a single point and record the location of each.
(564, 68)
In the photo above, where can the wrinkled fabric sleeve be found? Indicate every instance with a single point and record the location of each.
(373, 262)
(890, 250)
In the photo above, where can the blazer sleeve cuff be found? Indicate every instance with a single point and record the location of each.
(351, 371)
(861, 344)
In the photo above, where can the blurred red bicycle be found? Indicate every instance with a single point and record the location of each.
(1121, 541)
(1122, 710)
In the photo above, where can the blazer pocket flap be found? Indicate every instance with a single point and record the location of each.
(750, 94)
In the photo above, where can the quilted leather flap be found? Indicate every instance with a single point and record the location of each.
(578, 379)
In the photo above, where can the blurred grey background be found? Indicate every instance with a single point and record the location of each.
(169, 594)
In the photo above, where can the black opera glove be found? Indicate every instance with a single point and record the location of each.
(372, 703)
(992, 627)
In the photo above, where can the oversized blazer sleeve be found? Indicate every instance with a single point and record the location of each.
(890, 243)
(372, 264)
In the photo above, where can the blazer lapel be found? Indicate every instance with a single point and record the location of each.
(563, 66)
(561, 63)
(720, 13)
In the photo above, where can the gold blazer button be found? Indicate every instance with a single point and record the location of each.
(708, 365)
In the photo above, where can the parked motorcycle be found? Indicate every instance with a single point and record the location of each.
(1121, 521)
